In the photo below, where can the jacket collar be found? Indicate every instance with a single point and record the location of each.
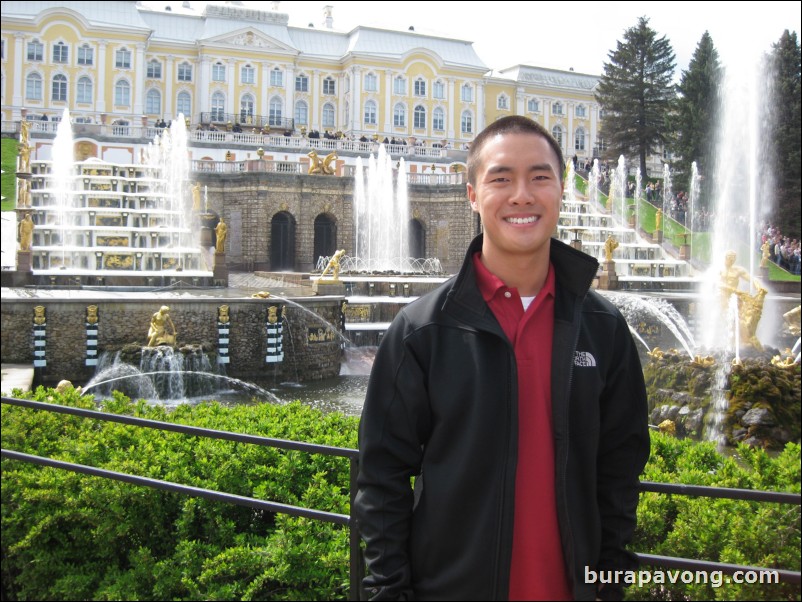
(574, 272)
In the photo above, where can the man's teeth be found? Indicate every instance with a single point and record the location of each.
(522, 220)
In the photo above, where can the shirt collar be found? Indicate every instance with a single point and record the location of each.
(489, 284)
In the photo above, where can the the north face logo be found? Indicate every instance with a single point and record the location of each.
(584, 359)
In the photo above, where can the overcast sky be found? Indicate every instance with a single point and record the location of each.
(562, 35)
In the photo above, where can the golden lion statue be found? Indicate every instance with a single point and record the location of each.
(321, 166)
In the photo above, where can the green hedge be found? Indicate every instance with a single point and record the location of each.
(71, 536)
(68, 536)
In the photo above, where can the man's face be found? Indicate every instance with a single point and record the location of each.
(517, 193)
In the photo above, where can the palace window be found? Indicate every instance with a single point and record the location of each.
(467, 93)
(218, 107)
(302, 83)
(248, 75)
(328, 115)
(328, 86)
(301, 113)
(154, 70)
(218, 72)
(122, 58)
(183, 105)
(419, 118)
(533, 106)
(370, 112)
(400, 116)
(438, 120)
(185, 72)
(399, 86)
(503, 102)
(84, 90)
(557, 132)
(33, 87)
(59, 88)
(467, 122)
(579, 139)
(35, 50)
(86, 55)
(122, 93)
(420, 87)
(61, 53)
(438, 90)
(371, 83)
(277, 78)
(556, 108)
(275, 111)
(581, 111)
(153, 102)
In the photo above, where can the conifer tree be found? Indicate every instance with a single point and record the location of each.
(694, 122)
(786, 128)
(637, 94)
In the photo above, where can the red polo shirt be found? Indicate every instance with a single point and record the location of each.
(538, 570)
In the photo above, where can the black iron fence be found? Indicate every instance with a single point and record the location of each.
(356, 569)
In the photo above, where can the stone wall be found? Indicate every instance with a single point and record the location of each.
(249, 201)
(312, 345)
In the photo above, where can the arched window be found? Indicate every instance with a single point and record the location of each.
(581, 111)
(277, 78)
(532, 105)
(86, 55)
(467, 93)
(328, 115)
(556, 108)
(276, 110)
(503, 102)
(61, 53)
(153, 102)
(183, 105)
(33, 87)
(400, 116)
(579, 139)
(84, 90)
(419, 118)
(122, 93)
(439, 90)
(218, 106)
(370, 112)
(246, 105)
(420, 87)
(59, 88)
(557, 132)
(467, 122)
(438, 119)
(301, 113)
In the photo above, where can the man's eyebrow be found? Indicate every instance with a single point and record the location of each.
(501, 168)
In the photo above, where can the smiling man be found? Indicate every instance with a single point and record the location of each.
(513, 396)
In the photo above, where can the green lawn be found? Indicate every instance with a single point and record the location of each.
(9, 178)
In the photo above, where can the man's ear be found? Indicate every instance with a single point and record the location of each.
(472, 198)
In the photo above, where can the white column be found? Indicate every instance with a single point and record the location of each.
(520, 101)
(289, 101)
(233, 102)
(101, 92)
(203, 78)
(315, 91)
(139, 75)
(169, 102)
(388, 103)
(480, 107)
(19, 79)
(356, 100)
(451, 107)
(264, 94)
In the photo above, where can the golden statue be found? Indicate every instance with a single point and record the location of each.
(222, 314)
(24, 158)
(24, 132)
(24, 193)
(610, 245)
(39, 315)
(321, 166)
(91, 314)
(261, 295)
(157, 334)
(196, 197)
(749, 307)
(221, 230)
(658, 220)
(25, 229)
(333, 266)
(792, 320)
(765, 248)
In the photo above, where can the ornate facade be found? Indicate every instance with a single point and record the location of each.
(124, 64)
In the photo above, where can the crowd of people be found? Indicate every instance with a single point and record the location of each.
(782, 250)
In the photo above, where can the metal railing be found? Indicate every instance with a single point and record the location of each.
(356, 568)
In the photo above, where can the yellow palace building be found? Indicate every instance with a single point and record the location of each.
(232, 67)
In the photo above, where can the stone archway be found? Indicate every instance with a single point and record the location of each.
(325, 243)
(417, 239)
(282, 242)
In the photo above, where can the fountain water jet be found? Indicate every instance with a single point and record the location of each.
(381, 214)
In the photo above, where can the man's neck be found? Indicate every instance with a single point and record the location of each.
(526, 273)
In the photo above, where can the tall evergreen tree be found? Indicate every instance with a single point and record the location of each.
(786, 126)
(697, 107)
(637, 94)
